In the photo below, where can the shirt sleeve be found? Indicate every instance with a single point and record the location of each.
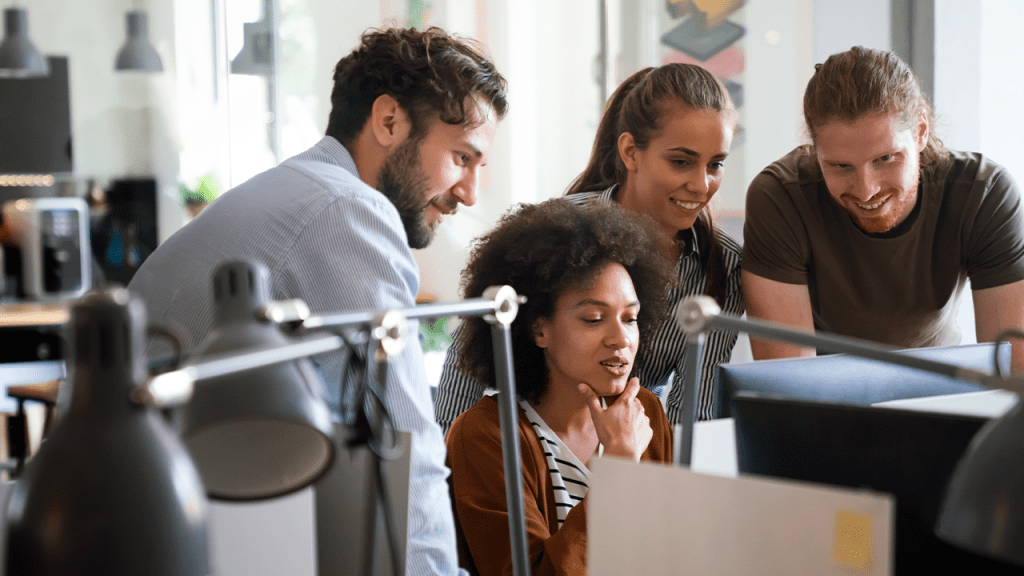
(995, 246)
(478, 488)
(456, 392)
(354, 256)
(775, 244)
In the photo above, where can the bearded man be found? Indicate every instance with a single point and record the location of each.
(874, 229)
(413, 116)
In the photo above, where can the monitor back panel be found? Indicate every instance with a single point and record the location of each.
(909, 454)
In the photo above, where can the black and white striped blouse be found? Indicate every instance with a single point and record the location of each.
(569, 477)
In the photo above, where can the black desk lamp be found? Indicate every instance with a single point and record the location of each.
(245, 342)
(983, 510)
(112, 489)
(258, 433)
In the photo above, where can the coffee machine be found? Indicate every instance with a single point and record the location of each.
(52, 237)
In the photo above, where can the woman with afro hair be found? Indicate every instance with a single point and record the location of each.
(595, 282)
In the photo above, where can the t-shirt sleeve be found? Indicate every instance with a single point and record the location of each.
(995, 243)
(774, 237)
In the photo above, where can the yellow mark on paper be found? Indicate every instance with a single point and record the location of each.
(852, 544)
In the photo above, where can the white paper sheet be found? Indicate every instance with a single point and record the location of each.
(655, 519)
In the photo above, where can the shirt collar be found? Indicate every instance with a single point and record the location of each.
(337, 153)
(688, 241)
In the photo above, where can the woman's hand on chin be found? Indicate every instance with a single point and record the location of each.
(623, 427)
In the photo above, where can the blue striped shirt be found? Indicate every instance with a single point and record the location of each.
(456, 392)
(338, 244)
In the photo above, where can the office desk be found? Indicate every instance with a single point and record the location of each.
(31, 345)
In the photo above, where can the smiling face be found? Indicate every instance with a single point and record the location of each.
(681, 168)
(871, 167)
(592, 336)
(430, 176)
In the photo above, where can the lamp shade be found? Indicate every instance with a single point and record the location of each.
(257, 433)
(257, 55)
(19, 58)
(137, 53)
(984, 507)
(111, 490)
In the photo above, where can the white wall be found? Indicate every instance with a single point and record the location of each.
(841, 24)
(957, 86)
(979, 78)
(779, 64)
(979, 85)
(1001, 66)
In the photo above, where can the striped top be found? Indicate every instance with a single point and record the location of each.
(456, 392)
(569, 476)
(338, 244)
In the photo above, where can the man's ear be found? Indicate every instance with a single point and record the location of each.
(922, 130)
(388, 121)
(540, 333)
(627, 151)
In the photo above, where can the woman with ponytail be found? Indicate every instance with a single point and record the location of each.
(660, 150)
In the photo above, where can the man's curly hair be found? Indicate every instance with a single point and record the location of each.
(429, 73)
(542, 250)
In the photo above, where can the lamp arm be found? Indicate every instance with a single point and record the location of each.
(699, 314)
(289, 311)
(506, 306)
(175, 387)
(693, 351)
(388, 337)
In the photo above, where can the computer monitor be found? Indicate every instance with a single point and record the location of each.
(908, 453)
(35, 131)
(853, 380)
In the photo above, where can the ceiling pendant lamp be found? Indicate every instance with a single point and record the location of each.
(257, 55)
(137, 54)
(19, 58)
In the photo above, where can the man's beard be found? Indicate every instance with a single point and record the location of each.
(405, 184)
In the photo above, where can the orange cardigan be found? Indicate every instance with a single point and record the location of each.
(478, 493)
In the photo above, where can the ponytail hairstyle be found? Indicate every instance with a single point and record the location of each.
(637, 106)
(862, 81)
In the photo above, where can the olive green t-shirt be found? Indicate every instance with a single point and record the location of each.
(904, 288)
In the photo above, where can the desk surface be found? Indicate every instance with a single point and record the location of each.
(28, 314)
